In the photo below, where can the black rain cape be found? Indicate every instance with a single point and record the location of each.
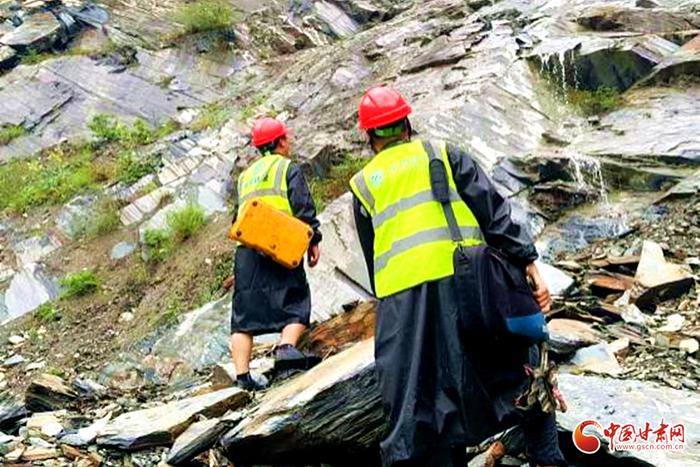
(268, 296)
(442, 385)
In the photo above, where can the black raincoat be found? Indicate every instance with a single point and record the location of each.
(442, 390)
(268, 296)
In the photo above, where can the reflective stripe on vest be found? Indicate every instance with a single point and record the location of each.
(266, 179)
(412, 242)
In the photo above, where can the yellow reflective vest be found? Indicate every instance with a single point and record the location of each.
(266, 179)
(412, 241)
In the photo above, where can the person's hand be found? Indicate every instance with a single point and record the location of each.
(539, 289)
(314, 254)
(228, 283)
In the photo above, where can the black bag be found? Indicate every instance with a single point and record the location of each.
(525, 322)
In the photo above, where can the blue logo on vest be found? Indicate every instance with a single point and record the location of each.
(376, 179)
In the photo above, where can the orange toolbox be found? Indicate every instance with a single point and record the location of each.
(282, 237)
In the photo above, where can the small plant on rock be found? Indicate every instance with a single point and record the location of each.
(324, 190)
(131, 167)
(206, 15)
(596, 102)
(186, 222)
(8, 133)
(79, 284)
(158, 243)
(47, 313)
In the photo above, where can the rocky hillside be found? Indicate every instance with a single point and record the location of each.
(123, 126)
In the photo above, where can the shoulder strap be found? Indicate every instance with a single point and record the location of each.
(440, 186)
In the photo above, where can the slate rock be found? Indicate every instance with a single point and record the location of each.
(122, 250)
(657, 280)
(568, 335)
(325, 415)
(622, 18)
(29, 288)
(196, 439)
(599, 358)
(160, 426)
(342, 278)
(442, 51)
(38, 32)
(11, 412)
(14, 360)
(684, 62)
(8, 57)
(557, 280)
(199, 340)
(609, 400)
(48, 393)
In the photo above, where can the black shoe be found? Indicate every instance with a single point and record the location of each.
(248, 383)
(290, 361)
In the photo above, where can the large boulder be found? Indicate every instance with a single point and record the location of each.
(622, 402)
(341, 277)
(328, 413)
(200, 339)
(656, 123)
(591, 62)
(634, 19)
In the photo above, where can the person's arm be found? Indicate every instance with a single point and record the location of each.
(493, 212)
(303, 207)
(365, 231)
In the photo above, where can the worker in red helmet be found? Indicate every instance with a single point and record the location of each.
(447, 262)
(269, 297)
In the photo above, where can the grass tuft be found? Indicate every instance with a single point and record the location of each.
(206, 15)
(186, 222)
(53, 179)
(131, 167)
(106, 218)
(324, 190)
(47, 313)
(159, 243)
(79, 284)
(211, 116)
(9, 133)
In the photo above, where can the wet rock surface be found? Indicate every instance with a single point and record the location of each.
(289, 424)
(498, 78)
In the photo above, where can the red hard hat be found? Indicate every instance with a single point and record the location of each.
(381, 106)
(266, 130)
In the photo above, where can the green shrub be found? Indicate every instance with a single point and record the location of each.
(186, 222)
(79, 284)
(108, 128)
(52, 179)
(336, 183)
(131, 167)
(159, 243)
(47, 313)
(596, 102)
(206, 15)
(9, 133)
